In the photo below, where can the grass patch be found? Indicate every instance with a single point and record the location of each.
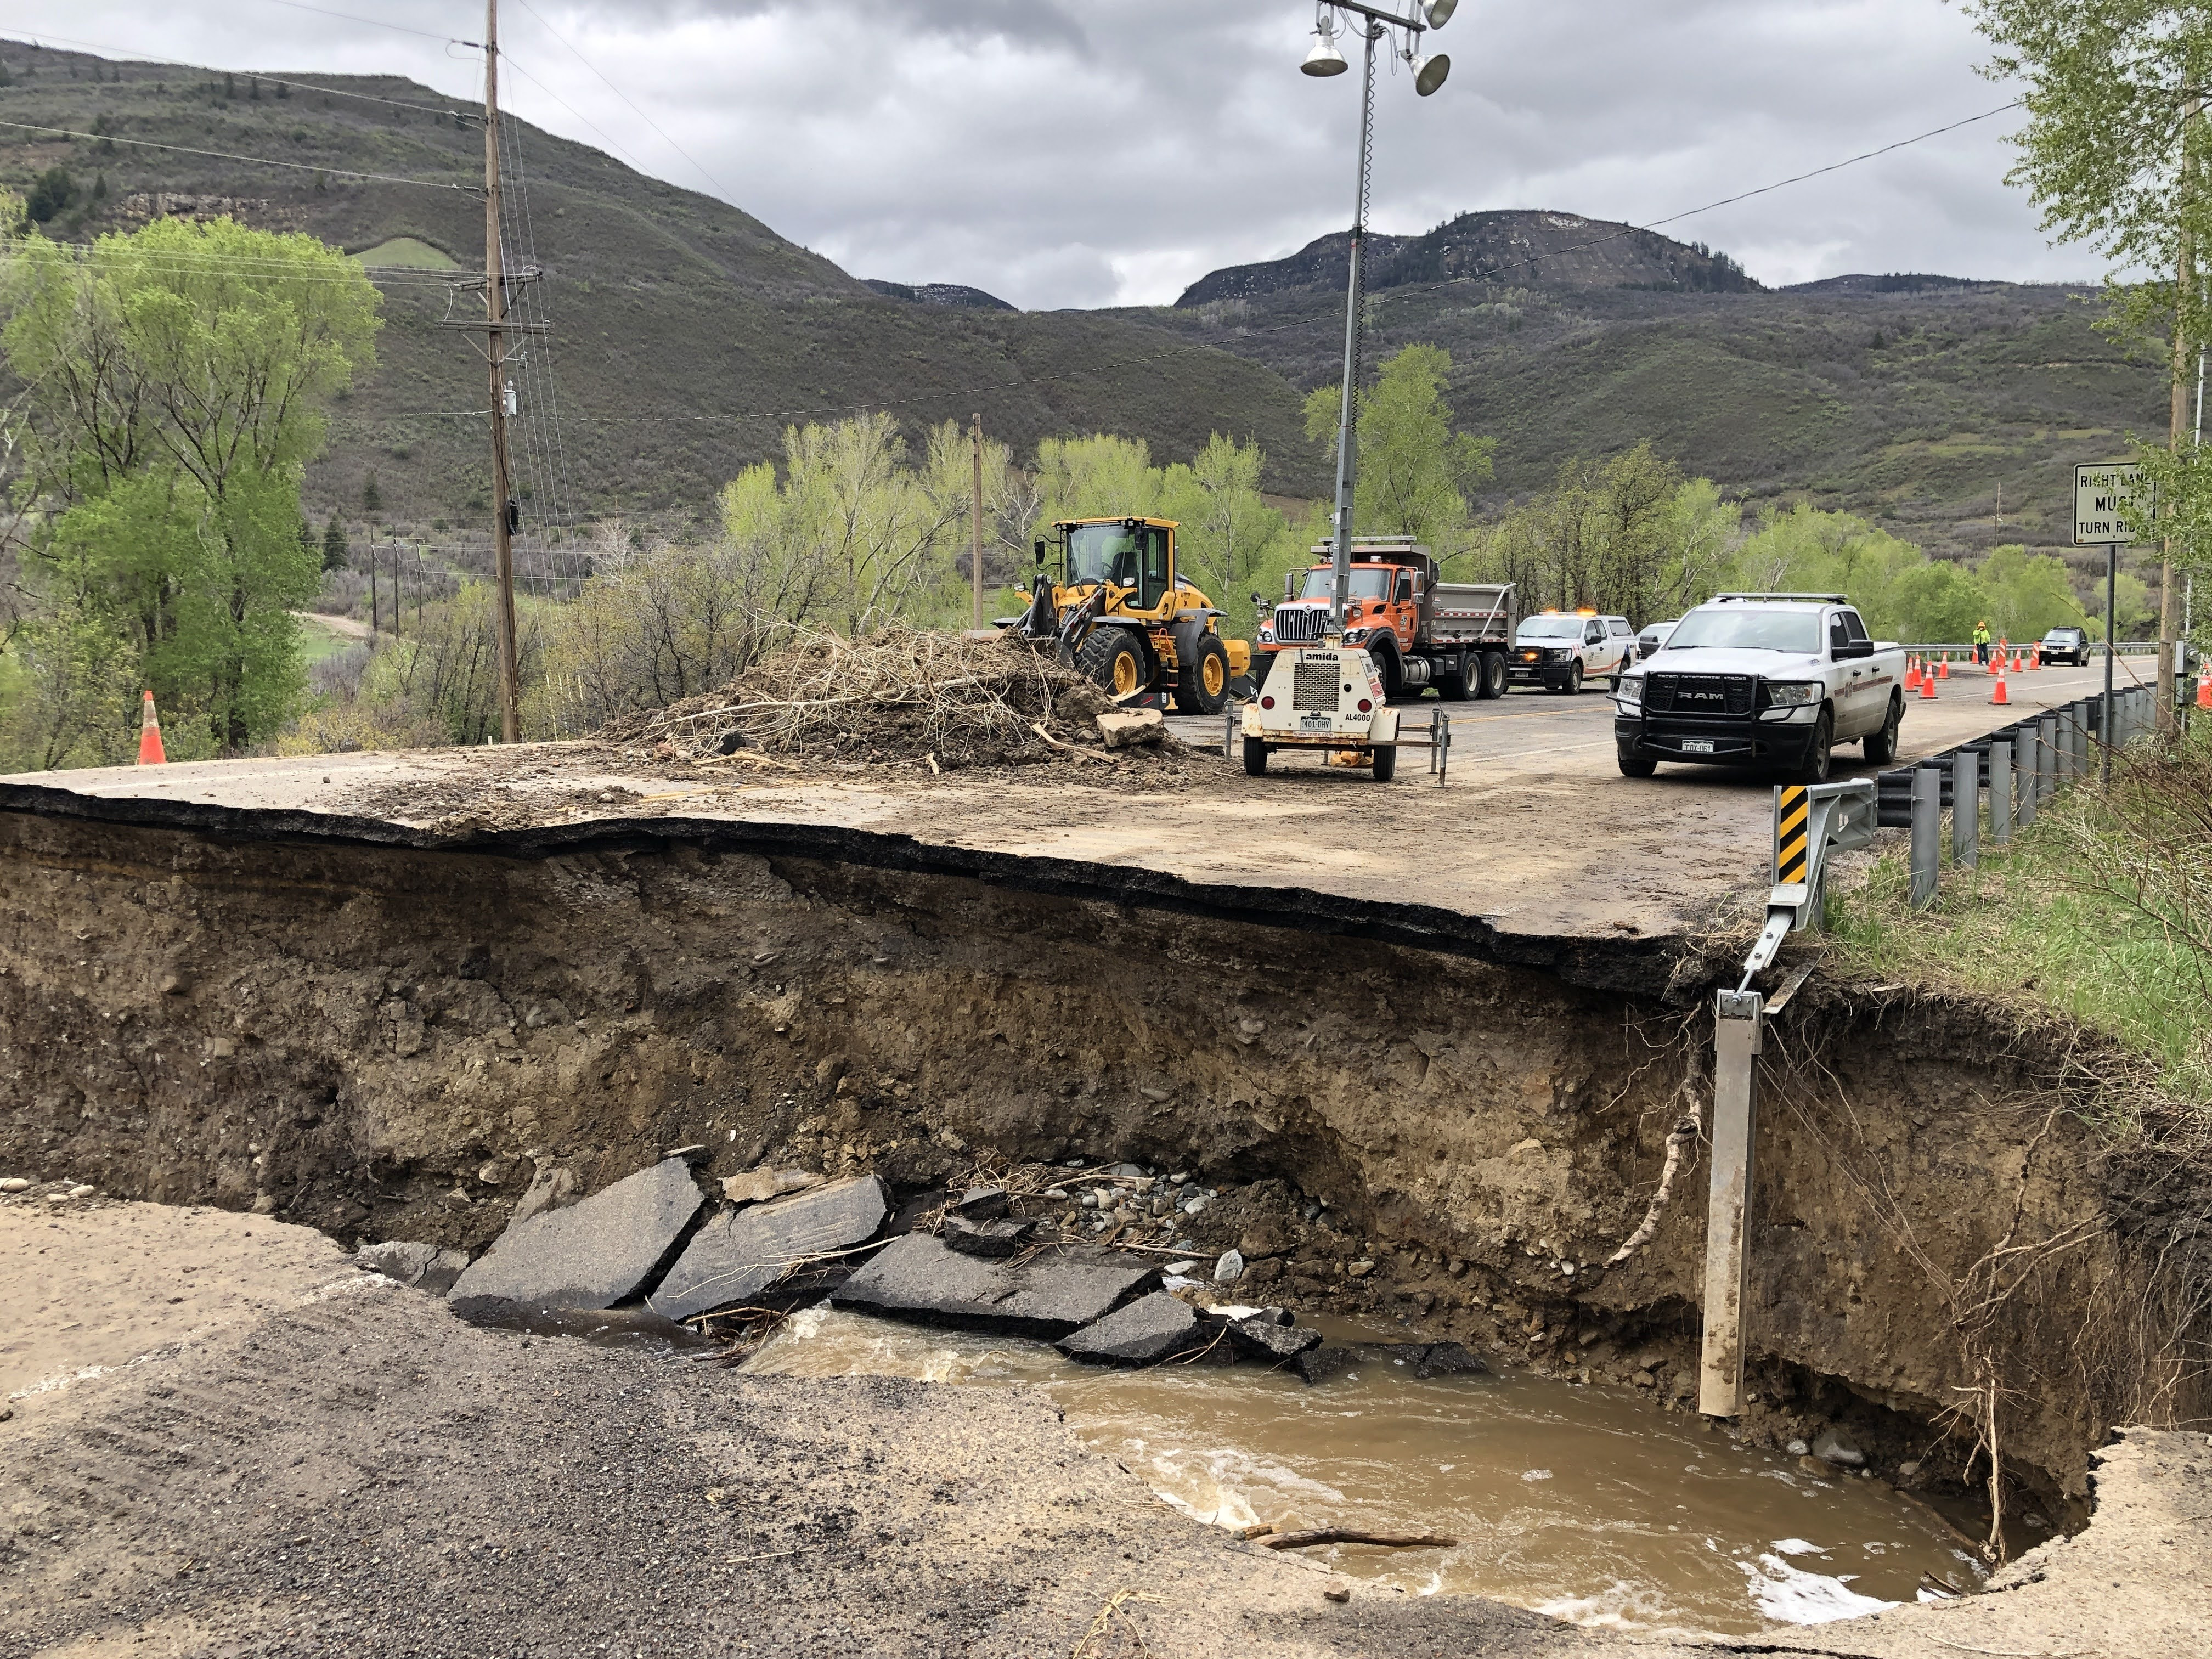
(2101, 911)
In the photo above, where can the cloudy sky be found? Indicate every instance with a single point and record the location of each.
(1095, 152)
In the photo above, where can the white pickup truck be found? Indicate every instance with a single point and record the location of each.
(1768, 680)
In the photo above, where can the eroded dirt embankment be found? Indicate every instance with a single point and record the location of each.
(389, 1043)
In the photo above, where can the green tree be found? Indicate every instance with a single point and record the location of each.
(1099, 476)
(1230, 543)
(337, 554)
(52, 192)
(372, 498)
(2028, 597)
(1414, 472)
(174, 381)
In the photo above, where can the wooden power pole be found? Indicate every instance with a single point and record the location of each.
(975, 513)
(2169, 606)
(502, 491)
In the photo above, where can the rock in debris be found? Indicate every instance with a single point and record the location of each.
(1150, 1329)
(759, 1186)
(1423, 1359)
(1834, 1446)
(921, 1278)
(15, 1184)
(595, 1253)
(995, 1240)
(981, 1204)
(740, 1255)
(1268, 1339)
(425, 1267)
(1126, 728)
(1230, 1269)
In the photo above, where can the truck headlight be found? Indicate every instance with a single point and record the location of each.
(1357, 635)
(1791, 694)
(1266, 634)
(1631, 694)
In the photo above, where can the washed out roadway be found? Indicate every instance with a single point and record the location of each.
(1536, 850)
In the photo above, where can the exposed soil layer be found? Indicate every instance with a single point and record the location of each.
(390, 1042)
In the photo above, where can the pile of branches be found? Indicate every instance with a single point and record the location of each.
(902, 694)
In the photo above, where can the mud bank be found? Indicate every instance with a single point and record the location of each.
(393, 1041)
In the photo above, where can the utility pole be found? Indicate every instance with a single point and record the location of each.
(976, 511)
(502, 493)
(2168, 600)
(1346, 424)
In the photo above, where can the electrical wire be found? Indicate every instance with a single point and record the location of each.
(376, 22)
(136, 57)
(256, 160)
(507, 57)
(721, 189)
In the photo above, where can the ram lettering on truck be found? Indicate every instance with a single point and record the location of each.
(1773, 681)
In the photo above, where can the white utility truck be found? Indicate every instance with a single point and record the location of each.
(1327, 696)
(1768, 680)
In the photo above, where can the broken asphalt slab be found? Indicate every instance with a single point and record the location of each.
(424, 1266)
(595, 1253)
(739, 1253)
(1150, 1329)
(1056, 1293)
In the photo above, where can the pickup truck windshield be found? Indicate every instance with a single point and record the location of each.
(1748, 628)
(1551, 627)
(1367, 583)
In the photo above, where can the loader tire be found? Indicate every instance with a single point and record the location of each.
(1204, 685)
(1113, 661)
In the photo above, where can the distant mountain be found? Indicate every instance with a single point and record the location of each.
(938, 293)
(687, 334)
(1506, 250)
(1924, 401)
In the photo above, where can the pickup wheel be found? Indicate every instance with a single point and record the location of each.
(1881, 745)
(1386, 763)
(1813, 769)
(1256, 756)
(1637, 766)
(1573, 687)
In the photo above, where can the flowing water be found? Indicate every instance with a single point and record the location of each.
(1590, 1503)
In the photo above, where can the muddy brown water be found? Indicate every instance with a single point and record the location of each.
(1588, 1504)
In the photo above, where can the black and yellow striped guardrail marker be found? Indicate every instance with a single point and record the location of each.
(1793, 824)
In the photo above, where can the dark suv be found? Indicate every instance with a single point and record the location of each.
(2068, 645)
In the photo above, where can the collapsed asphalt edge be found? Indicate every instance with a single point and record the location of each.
(1638, 965)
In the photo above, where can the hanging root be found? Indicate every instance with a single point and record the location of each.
(1680, 1139)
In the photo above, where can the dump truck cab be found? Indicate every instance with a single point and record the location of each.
(1118, 610)
(1421, 630)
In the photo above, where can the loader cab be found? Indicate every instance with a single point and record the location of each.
(1136, 556)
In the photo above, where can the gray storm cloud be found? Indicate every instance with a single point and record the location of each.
(1111, 152)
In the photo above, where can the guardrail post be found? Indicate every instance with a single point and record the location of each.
(2077, 740)
(1926, 833)
(1738, 1018)
(1965, 809)
(2026, 766)
(2001, 792)
(2046, 758)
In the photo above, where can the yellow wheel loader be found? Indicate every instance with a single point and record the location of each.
(1120, 613)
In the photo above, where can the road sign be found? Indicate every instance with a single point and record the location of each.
(2104, 512)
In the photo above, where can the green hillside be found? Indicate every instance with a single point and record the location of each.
(687, 333)
(1913, 401)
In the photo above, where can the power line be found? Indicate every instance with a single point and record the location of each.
(507, 57)
(137, 57)
(376, 22)
(256, 161)
(721, 189)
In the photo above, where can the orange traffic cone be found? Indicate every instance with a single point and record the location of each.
(150, 753)
(1999, 697)
(1927, 687)
(1912, 673)
(1943, 668)
(2204, 690)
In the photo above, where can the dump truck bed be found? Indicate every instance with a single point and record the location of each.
(1472, 613)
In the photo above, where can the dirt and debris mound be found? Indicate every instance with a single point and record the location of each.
(899, 695)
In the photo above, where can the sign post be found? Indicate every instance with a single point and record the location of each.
(2104, 513)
